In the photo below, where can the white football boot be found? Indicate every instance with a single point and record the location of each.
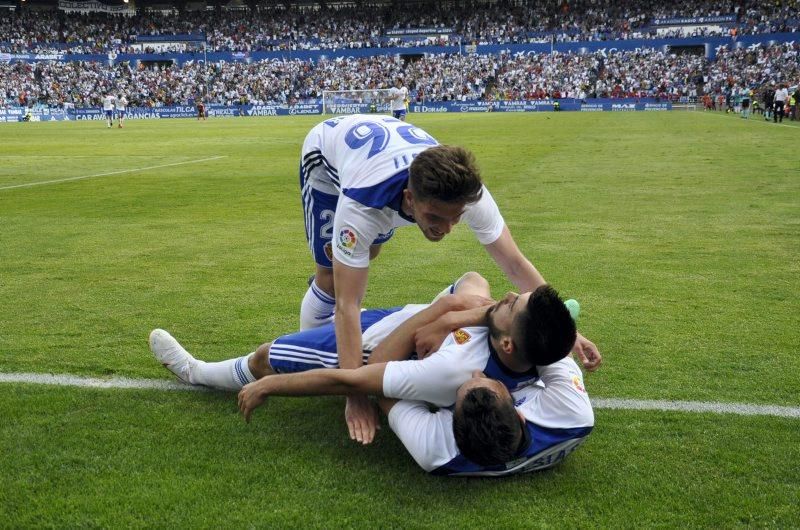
(171, 354)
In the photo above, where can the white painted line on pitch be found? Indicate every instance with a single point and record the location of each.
(95, 382)
(743, 409)
(42, 183)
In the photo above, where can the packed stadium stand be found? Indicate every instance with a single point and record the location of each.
(276, 27)
(69, 54)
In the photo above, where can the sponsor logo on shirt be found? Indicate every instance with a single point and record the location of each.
(576, 382)
(347, 241)
(461, 336)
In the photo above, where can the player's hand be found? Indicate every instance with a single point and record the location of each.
(250, 398)
(428, 339)
(362, 419)
(465, 302)
(587, 353)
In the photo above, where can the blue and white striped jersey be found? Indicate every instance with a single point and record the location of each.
(366, 160)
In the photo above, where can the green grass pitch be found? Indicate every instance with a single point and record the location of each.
(679, 233)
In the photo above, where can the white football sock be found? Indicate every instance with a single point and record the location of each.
(232, 374)
(317, 308)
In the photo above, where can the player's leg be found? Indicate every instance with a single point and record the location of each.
(319, 301)
(319, 199)
(230, 374)
(469, 283)
(318, 305)
(316, 348)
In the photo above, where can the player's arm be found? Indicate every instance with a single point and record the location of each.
(350, 284)
(517, 268)
(429, 338)
(427, 436)
(564, 394)
(354, 230)
(487, 223)
(399, 344)
(320, 382)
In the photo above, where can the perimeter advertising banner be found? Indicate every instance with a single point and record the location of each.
(18, 114)
(546, 105)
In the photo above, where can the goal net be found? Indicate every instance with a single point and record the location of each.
(355, 101)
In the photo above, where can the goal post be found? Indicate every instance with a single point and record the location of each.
(356, 101)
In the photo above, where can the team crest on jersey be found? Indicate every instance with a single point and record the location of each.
(576, 382)
(328, 249)
(461, 336)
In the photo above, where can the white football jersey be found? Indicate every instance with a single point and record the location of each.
(558, 418)
(122, 103)
(366, 158)
(108, 102)
(436, 378)
(398, 97)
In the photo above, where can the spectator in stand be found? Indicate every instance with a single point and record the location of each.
(637, 73)
(316, 27)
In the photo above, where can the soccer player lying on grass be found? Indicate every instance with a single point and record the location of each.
(482, 428)
(437, 378)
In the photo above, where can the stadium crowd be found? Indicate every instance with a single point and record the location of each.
(641, 73)
(279, 28)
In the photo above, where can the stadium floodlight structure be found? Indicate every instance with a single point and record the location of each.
(355, 101)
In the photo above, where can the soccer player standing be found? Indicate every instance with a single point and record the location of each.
(122, 106)
(398, 95)
(201, 109)
(363, 176)
(108, 108)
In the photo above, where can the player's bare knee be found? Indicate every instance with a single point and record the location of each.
(259, 362)
(473, 283)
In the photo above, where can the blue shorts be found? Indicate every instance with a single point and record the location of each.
(320, 207)
(316, 348)
(121, 113)
(399, 114)
(109, 114)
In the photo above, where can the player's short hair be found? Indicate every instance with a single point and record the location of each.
(545, 333)
(446, 173)
(487, 429)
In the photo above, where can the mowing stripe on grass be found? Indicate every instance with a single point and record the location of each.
(42, 183)
(742, 409)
